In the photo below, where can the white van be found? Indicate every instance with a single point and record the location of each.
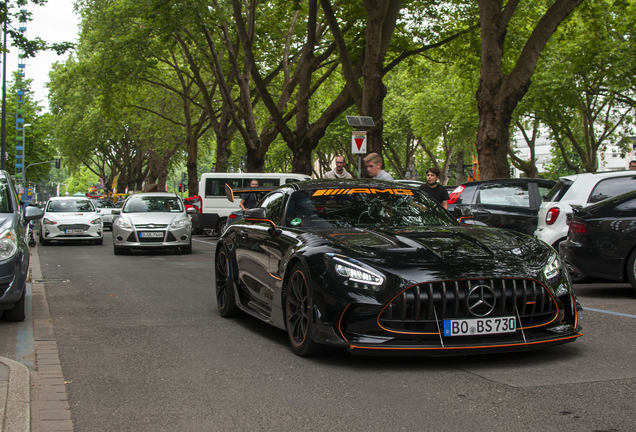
(216, 207)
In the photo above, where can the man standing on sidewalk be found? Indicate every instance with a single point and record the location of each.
(434, 189)
(338, 172)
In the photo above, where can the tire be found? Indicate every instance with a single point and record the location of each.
(118, 250)
(631, 268)
(99, 241)
(225, 298)
(44, 242)
(220, 226)
(16, 314)
(298, 313)
(208, 232)
(187, 249)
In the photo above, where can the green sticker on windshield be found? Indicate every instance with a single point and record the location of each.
(296, 222)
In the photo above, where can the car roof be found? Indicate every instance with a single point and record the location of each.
(70, 197)
(347, 183)
(154, 194)
(509, 180)
(601, 174)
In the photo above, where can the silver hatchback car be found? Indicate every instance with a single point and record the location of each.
(151, 221)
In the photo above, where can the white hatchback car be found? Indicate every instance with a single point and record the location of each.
(70, 219)
(578, 190)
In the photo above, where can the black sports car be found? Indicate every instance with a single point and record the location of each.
(602, 240)
(380, 268)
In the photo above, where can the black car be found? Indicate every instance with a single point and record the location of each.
(381, 268)
(602, 240)
(14, 249)
(504, 203)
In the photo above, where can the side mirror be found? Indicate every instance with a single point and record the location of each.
(463, 212)
(116, 211)
(255, 213)
(191, 210)
(32, 213)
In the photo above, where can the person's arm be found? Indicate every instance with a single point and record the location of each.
(242, 206)
(445, 204)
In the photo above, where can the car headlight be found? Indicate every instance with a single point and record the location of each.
(47, 221)
(8, 244)
(122, 223)
(354, 273)
(552, 270)
(96, 221)
(181, 223)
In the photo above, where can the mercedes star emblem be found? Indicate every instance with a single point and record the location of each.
(481, 300)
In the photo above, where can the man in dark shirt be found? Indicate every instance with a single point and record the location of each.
(249, 200)
(434, 189)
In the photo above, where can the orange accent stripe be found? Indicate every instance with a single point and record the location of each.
(262, 220)
(462, 348)
(531, 302)
(340, 323)
(275, 277)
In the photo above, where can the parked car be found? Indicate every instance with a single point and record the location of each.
(70, 219)
(152, 220)
(504, 203)
(578, 191)
(14, 249)
(105, 209)
(381, 268)
(601, 240)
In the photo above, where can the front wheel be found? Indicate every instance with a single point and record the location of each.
(225, 298)
(99, 241)
(118, 250)
(298, 314)
(44, 242)
(220, 226)
(631, 268)
(187, 249)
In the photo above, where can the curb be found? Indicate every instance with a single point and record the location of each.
(17, 412)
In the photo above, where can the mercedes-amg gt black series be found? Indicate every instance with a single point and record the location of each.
(380, 268)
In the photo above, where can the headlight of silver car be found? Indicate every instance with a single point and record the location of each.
(122, 223)
(96, 221)
(181, 223)
(47, 221)
(552, 270)
(8, 244)
(354, 273)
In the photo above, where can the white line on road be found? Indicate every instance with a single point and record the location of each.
(609, 312)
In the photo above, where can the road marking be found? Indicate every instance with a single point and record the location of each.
(609, 312)
(203, 241)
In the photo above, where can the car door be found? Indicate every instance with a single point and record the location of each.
(254, 246)
(510, 205)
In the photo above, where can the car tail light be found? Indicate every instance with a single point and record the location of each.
(552, 215)
(232, 216)
(577, 227)
(454, 196)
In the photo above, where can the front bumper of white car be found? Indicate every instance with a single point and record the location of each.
(63, 231)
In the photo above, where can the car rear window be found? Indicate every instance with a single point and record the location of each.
(557, 192)
(505, 194)
(612, 187)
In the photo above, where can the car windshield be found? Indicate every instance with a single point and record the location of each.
(153, 204)
(103, 204)
(365, 207)
(66, 206)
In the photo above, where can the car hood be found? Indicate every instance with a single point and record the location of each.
(156, 218)
(5, 222)
(72, 217)
(447, 244)
(105, 211)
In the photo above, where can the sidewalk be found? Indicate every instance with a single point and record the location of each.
(35, 399)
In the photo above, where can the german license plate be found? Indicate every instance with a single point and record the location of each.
(74, 231)
(479, 326)
(150, 234)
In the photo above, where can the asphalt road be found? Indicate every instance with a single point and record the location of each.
(143, 349)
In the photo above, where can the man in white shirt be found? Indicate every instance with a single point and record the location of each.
(338, 172)
(373, 162)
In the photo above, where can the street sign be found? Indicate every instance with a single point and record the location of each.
(358, 142)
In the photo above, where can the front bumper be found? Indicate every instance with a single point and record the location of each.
(163, 237)
(71, 232)
(13, 273)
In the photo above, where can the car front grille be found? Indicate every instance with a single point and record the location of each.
(73, 227)
(421, 308)
(157, 226)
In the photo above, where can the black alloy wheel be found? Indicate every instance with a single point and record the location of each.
(225, 299)
(297, 314)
